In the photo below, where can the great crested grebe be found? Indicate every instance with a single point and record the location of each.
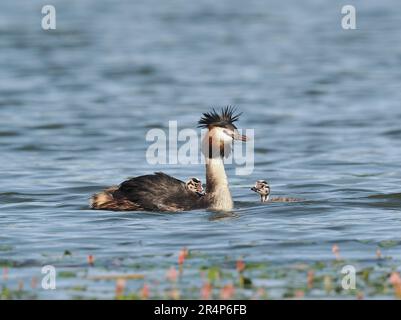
(195, 185)
(106, 201)
(161, 192)
(263, 189)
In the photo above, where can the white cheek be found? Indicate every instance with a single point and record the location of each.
(216, 137)
(222, 136)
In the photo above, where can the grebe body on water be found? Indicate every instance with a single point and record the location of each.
(161, 192)
(263, 189)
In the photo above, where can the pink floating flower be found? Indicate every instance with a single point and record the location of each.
(145, 291)
(206, 291)
(34, 283)
(91, 259)
(310, 278)
(20, 285)
(120, 287)
(395, 280)
(172, 274)
(336, 250)
(174, 294)
(378, 254)
(227, 292)
(240, 266)
(259, 294)
(5, 273)
(182, 255)
(299, 294)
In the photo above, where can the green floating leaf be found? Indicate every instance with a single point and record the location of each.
(319, 265)
(365, 273)
(6, 263)
(247, 282)
(388, 243)
(5, 294)
(5, 248)
(66, 274)
(213, 274)
(67, 253)
(79, 288)
(256, 266)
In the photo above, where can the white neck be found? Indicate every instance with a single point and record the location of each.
(218, 194)
(217, 191)
(265, 198)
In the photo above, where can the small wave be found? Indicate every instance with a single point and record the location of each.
(390, 196)
(50, 126)
(393, 133)
(31, 147)
(123, 71)
(9, 134)
(315, 92)
(389, 201)
(14, 197)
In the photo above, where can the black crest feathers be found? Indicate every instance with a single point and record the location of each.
(227, 116)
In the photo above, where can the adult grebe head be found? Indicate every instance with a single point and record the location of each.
(221, 132)
(263, 188)
(195, 185)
